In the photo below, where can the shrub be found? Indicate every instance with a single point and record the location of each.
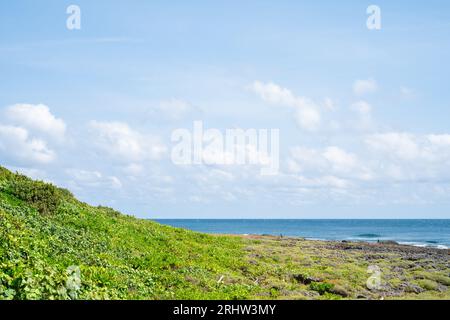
(441, 279)
(109, 211)
(321, 287)
(64, 193)
(42, 196)
(436, 277)
(428, 284)
(4, 173)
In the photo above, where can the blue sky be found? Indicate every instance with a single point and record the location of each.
(93, 109)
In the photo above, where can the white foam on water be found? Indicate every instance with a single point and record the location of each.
(424, 245)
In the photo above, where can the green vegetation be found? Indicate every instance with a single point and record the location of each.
(428, 284)
(321, 287)
(54, 247)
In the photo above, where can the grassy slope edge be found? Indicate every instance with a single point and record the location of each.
(53, 246)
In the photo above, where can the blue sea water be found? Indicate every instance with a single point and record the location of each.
(430, 233)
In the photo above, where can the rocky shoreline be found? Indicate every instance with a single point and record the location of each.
(403, 271)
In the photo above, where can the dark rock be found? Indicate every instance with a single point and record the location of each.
(441, 288)
(305, 279)
(409, 287)
(413, 258)
(389, 242)
(310, 293)
(397, 269)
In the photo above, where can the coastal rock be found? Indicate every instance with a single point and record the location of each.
(441, 288)
(412, 288)
(310, 294)
(305, 279)
(388, 242)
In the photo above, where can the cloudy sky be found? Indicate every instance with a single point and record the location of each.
(364, 115)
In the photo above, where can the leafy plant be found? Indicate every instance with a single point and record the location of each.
(321, 287)
(86, 252)
(428, 284)
(42, 196)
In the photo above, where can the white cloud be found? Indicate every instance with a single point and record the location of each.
(440, 140)
(394, 159)
(199, 199)
(362, 87)
(134, 169)
(95, 179)
(307, 113)
(364, 112)
(362, 107)
(329, 104)
(115, 182)
(332, 182)
(33, 173)
(319, 182)
(400, 145)
(15, 142)
(36, 118)
(26, 131)
(340, 160)
(408, 157)
(330, 161)
(308, 118)
(303, 159)
(126, 144)
(274, 94)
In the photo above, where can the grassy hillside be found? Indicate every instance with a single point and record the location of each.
(55, 247)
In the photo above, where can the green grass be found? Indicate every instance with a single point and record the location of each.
(54, 247)
(119, 257)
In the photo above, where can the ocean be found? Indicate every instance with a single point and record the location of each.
(425, 233)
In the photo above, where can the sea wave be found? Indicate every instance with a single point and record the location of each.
(369, 235)
(425, 245)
